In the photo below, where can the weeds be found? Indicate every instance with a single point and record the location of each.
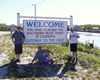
(89, 58)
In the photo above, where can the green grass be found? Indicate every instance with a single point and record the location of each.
(89, 61)
(89, 58)
(58, 50)
(89, 50)
(3, 27)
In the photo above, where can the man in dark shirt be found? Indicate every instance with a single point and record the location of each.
(18, 40)
(43, 56)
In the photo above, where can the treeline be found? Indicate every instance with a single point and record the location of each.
(89, 26)
(3, 27)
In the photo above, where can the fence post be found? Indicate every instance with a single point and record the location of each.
(71, 25)
(18, 19)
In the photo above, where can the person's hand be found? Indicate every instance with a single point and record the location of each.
(52, 53)
(23, 42)
(74, 36)
(14, 42)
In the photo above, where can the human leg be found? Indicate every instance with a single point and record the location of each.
(18, 56)
(18, 51)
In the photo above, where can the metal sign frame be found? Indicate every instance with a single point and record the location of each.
(37, 17)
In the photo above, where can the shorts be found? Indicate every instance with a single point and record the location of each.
(45, 61)
(73, 47)
(18, 48)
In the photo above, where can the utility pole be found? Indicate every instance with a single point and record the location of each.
(34, 10)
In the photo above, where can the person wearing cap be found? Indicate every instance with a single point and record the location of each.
(42, 55)
(18, 40)
(73, 43)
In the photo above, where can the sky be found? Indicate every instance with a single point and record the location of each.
(83, 11)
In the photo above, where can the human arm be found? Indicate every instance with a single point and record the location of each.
(13, 37)
(70, 36)
(77, 35)
(51, 52)
(48, 51)
(33, 60)
(36, 57)
(74, 35)
(13, 40)
(23, 39)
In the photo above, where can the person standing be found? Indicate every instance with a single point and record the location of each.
(73, 43)
(18, 40)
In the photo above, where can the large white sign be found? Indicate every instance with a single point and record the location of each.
(39, 31)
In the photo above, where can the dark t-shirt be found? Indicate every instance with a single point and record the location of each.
(42, 56)
(18, 37)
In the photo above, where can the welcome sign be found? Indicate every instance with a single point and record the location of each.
(40, 31)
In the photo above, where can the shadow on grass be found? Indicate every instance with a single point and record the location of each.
(29, 70)
(69, 65)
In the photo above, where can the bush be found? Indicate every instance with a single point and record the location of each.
(3, 27)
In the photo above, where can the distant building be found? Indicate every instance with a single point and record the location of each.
(96, 29)
(11, 27)
(82, 28)
(77, 28)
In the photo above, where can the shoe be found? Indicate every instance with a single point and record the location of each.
(73, 60)
(69, 58)
(54, 60)
(76, 59)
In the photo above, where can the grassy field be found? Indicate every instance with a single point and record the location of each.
(87, 67)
